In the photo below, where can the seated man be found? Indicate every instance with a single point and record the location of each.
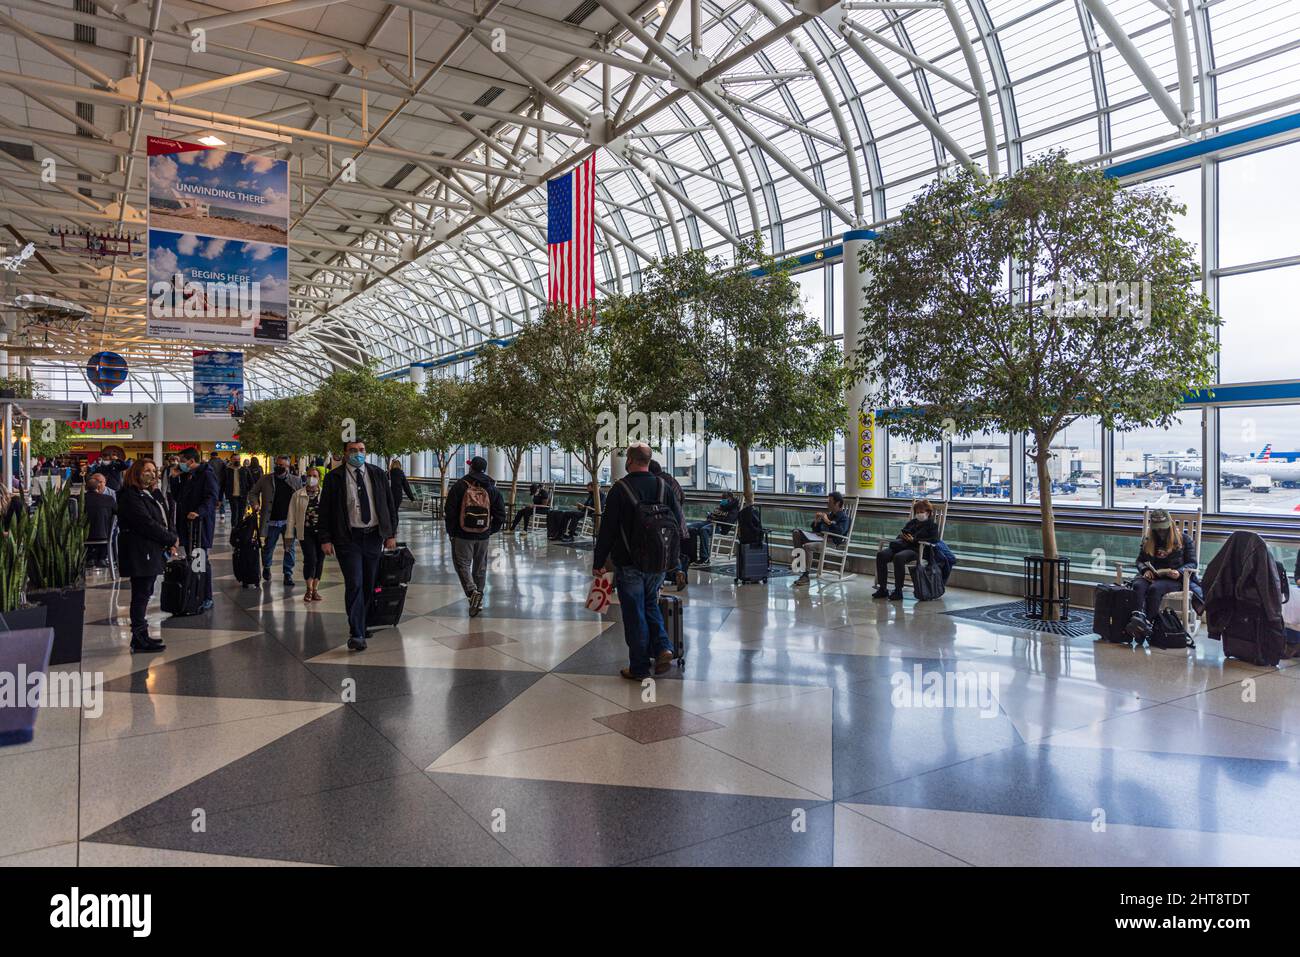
(700, 542)
(100, 510)
(904, 550)
(540, 500)
(1162, 558)
(574, 516)
(833, 521)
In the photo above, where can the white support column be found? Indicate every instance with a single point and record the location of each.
(419, 375)
(617, 464)
(851, 306)
(27, 456)
(157, 425)
(498, 467)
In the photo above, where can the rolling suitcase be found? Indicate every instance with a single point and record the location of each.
(753, 561)
(395, 566)
(670, 606)
(247, 555)
(1250, 636)
(1112, 607)
(182, 589)
(385, 607)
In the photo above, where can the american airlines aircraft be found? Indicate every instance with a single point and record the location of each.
(1252, 470)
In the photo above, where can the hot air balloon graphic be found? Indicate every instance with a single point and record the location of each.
(107, 370)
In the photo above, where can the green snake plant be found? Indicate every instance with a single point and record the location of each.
(14, 553)
(58, 544)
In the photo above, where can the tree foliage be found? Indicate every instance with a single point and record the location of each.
(386, 414)
(507, 410)
(445, 422)
(761, 371)
(280, 426)
(955, 342)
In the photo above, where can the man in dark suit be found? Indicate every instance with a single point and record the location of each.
(100, 511)
(219, 470)
(197, 503)
(358, 520)
(236, 484)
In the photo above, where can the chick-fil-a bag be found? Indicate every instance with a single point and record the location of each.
(602, 586)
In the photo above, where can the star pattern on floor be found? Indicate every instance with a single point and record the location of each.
(509, 738)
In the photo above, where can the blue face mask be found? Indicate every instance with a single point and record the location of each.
(357, 459)
(184, 466)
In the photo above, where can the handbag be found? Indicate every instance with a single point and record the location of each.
(927, 580)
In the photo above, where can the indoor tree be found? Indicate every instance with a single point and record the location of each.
(386, 414)
(506, 411)
(762, 372)
(280, 426)
(1023, 304)
(443, 412)
(568, 362)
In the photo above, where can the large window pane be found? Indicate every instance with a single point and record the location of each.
(557, 473)
(685, 465)
(837, 296)
(915, 468)
(1260, 313)
(723, 468)
(1074, 468)
(812, 293)
(762, 470)
(1258, 209)
(1260, 466)
(805, 470)
(981, 466)
(1160, 465)
(837, 468)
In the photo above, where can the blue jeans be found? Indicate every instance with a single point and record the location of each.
(703, 531)
(643, 624)
(274, 531)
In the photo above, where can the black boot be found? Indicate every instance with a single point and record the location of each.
(140, 640)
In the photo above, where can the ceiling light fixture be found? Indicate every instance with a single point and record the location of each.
(211, 140)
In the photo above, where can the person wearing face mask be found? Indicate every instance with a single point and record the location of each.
(196, 508)
(270, 497)
(144, 541)
(903, 550)
(304, 526)
(358, 520)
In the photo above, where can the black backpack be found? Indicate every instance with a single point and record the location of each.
(1167, 631)
(656, 533)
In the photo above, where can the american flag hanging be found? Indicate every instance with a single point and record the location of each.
(570, 236)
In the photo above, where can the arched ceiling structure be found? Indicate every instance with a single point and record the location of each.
(710, 119)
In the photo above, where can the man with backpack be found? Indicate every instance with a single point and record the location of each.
(640, 533)
(473, 511)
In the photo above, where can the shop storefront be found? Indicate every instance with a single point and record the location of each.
(150, 431)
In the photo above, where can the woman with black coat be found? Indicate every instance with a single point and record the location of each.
(397, 481)
(144, 539)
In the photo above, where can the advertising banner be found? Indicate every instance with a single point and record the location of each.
(218, 385)
(866, 451)
(218, 244)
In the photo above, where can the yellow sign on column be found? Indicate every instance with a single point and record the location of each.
(866, 451)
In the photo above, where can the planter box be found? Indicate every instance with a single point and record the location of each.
(29, 650)
(65, 610)
(20, 619)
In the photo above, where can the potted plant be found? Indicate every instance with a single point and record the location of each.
(55, 571)
(15, 613)
(1099, 317)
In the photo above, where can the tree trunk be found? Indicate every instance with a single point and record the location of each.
(593, 474)
(1051, 611)
(514, 478)
(746, 483)
(443, 460)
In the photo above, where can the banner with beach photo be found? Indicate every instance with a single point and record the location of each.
(218, 385)
(218, 267)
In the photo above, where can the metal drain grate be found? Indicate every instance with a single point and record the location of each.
(1015, 614)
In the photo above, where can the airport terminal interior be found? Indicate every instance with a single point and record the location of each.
(224, 223)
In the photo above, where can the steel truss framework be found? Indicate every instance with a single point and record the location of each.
(419, 132)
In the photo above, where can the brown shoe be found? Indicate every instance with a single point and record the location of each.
(681, 580)
(663, 661)
(625, 673)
